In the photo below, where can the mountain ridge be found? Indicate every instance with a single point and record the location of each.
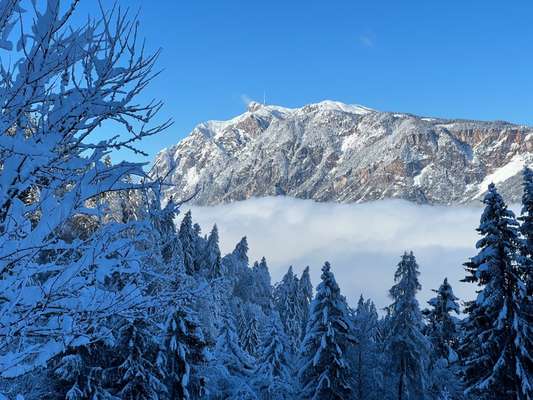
(331, 151)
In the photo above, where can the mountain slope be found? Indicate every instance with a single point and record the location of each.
(331, 151)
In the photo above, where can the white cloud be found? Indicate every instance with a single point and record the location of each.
(366, 40)
(246, 99)
(363, 242)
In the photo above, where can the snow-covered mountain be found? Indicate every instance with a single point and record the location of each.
(332, 151)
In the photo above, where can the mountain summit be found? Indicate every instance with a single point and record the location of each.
(332, 151)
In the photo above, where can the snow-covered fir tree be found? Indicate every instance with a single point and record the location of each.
(273, 377)
(305, 295)
(183, 354)
(241, 250)
(230, 353)
(325, 372)
(216, 271)
(211, 256)
(164, 253)
(188, 242)
(497, 345)
(250, 334)
(443, 332)
(233, 366)
(526, 229)
(197, 230)
(262, 289)
(407, 347)
(288, 304)
(442, 329)
(163, 222)
(235, 267)
(245, 285)
(368, 377)
(139, 377)
(82, 373)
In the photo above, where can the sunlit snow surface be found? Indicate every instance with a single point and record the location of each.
(362, 241)
(513, 167)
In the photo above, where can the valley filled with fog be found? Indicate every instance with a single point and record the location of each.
(363, 242)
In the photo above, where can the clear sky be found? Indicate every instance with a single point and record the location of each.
(465, 59)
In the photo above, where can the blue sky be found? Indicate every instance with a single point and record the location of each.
(465, 59)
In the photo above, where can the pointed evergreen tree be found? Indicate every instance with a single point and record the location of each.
(306, 287)
(273, 378)
(526, 229)
(216, 271)
(367, 365)
(235, 264)
(212, 257)
(164, 223)
(287, 303)
(497, 345)
(406, 345)
(442, 327)
(171, 248)
(241, 322)
(262, 286)
(184, 347)
(187, 239)
(81, 374)
(241, 251)
(325, 372)
(200, 249)
(443, 333)
(305, 296)
(139, 376)
(250, 335)
(164, 250)
(526, 260)
(229, 353)
(197, 230)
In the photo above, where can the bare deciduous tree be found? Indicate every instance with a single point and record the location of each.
(59, 85)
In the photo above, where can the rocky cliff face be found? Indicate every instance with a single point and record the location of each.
(336, 152)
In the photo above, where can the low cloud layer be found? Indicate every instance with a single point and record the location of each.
(363, 242)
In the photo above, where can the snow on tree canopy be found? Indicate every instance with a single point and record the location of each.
(103, 298)
(526, 229)
(325, 372)
(273, 377)
(442, 327)
(497, 344)
(407, 347)
(58, 255)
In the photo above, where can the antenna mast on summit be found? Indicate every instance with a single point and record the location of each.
(264, 97)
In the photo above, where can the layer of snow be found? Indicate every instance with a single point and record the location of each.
(350, 142)
(192, 177)
(217, 127)
(501, 174)
(417, 179)
(349, 108)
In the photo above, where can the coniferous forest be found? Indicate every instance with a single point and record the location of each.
(108, 292)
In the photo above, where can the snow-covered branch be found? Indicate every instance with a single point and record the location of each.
(59, 257)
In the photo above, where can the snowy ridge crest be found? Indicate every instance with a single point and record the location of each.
(331, 151)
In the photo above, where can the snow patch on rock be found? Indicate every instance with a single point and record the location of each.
(513, 167)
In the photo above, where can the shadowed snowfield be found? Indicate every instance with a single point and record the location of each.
(363, 242)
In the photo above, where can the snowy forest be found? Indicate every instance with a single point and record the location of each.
(108, 292)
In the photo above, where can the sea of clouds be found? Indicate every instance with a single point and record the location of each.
(363, 242)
